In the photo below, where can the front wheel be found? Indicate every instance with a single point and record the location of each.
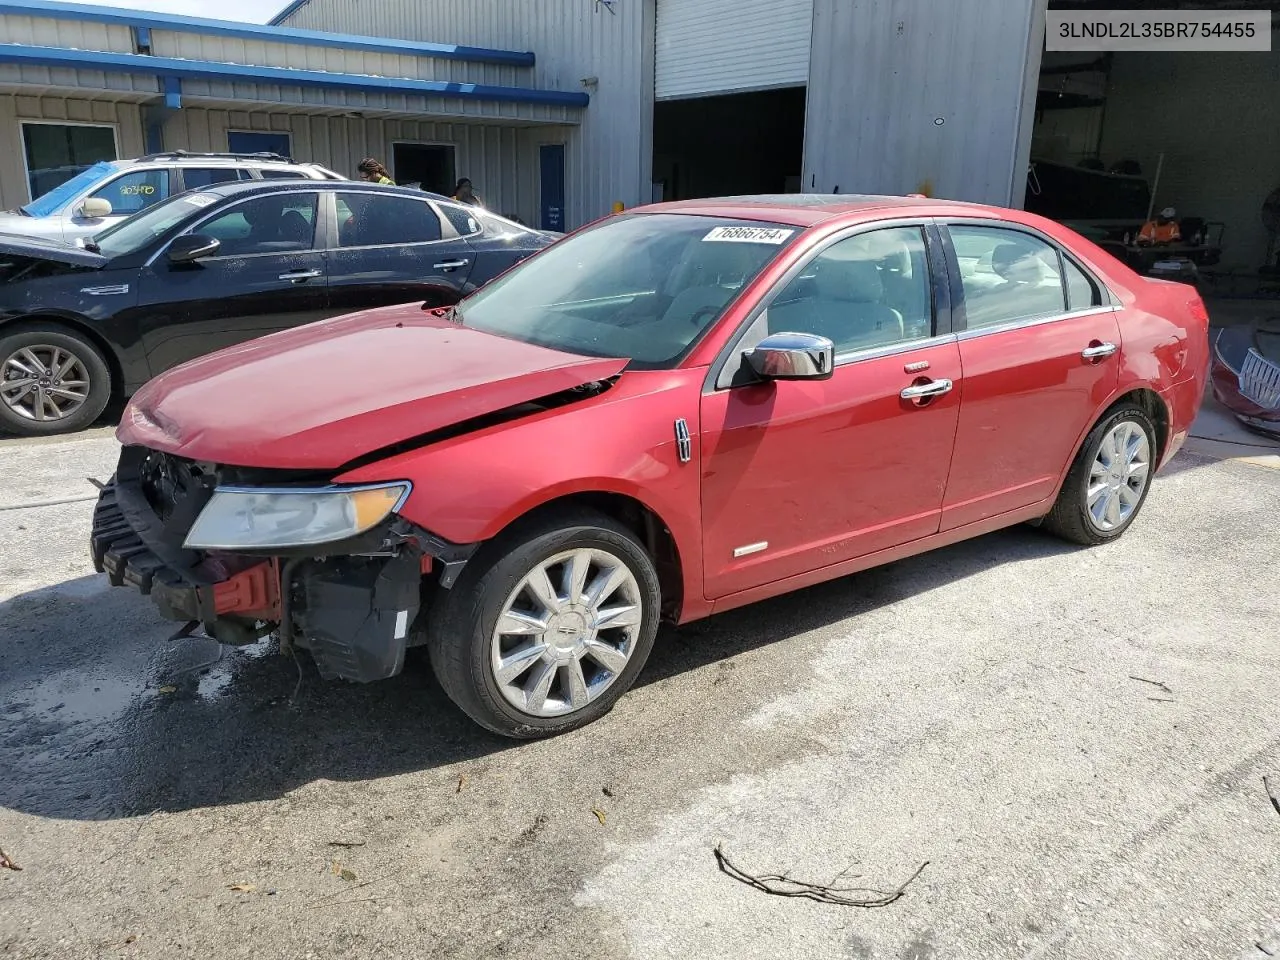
(1109, 480)
(51, 381)
(548, 626)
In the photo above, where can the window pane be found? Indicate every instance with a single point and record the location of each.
(135, 191)
(367, 220)
(1081, 293)
(196, 177)
(272, 173)
(868, 291)
(462, 220)
(57, 152)
(282, 223)
(1007, 275)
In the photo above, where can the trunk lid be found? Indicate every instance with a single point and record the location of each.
(319, 396)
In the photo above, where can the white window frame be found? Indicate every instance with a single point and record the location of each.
(22, 140)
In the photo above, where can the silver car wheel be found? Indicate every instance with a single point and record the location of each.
(566, 632)
(44, 383)
(1119, 476)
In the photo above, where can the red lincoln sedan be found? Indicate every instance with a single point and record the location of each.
(670, 413)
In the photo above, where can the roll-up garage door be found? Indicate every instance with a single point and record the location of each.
(728, 46)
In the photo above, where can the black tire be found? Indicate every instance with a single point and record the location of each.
(1070, 518)
(37, 335)
(460, 627)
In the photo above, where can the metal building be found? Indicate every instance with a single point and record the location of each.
(556, 109)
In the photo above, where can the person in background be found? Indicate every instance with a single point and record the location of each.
(1163, 229)
(464, 192)
(373, 171)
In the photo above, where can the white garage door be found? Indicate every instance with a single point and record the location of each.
(723, 46)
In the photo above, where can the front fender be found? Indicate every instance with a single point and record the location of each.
(470, 488)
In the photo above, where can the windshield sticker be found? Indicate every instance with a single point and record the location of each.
(201, 199)
(772, 235)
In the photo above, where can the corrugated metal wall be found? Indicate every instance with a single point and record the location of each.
(503, 159)
(883, 73)
(723, 46)
(609, 157)
(125, 117)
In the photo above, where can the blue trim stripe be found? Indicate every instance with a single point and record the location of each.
(208, 70)
(266, 32)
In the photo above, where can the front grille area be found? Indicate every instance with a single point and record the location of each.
(169, 483)
(1260, 380)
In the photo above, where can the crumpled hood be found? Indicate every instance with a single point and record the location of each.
(43, 248)
(319, 396)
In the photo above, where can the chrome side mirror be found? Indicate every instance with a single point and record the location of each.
(792, 356)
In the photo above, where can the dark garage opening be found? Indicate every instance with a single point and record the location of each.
(727, 145)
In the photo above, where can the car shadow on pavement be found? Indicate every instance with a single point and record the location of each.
(103, 717)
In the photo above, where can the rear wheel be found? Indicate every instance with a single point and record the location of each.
(1109, 480)
(51, 381)
(548, 626)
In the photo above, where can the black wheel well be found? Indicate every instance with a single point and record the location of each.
(641, 521)
(1154, 407)
(80, 327)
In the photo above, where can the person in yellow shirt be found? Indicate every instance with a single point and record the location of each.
(373, 171)
(1163, 229)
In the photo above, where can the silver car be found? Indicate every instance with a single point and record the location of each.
(102, 195)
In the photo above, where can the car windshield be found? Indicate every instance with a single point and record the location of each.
(57, 198)
(131, 235)
(643, 287)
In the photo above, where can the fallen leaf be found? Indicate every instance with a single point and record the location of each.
(130, 938)
(599, 814)
(6, 863)
(168, 688)
(606, 791)
(340, 871)
(243, 887)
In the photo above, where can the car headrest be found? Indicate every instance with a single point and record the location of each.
(1016, 263)
(855, 281)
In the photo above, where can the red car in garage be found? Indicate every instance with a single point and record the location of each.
(668, 414)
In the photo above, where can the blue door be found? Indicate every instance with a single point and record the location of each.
(277, 143)
(551, 161)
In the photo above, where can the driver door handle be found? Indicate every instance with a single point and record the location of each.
(934, 388)
(299, 275)
(1096, 351)
(448, 265)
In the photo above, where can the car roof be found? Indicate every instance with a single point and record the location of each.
(809, 209)
(240, 187)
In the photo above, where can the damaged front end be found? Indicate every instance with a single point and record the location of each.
(245, 553)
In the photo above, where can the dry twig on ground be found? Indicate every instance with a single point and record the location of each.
(1274, 802)
(783, 886)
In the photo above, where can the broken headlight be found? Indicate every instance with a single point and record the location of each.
(244, 518)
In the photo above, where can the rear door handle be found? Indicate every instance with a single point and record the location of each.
(299, 275)
(1096, 351)
(450, 264)
(934, 388)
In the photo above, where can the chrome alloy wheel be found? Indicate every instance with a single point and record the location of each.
(42, 382)
(1119, 476)
(566, 632)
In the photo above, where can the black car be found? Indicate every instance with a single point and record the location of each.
(211, 268)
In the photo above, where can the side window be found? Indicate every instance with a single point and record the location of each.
(280, 223)
(196, 177)
(1082, 293)
(463, 221)
(135, 191)
(870, 290)
(1007, 275)
(274, 173)
(368, 220)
